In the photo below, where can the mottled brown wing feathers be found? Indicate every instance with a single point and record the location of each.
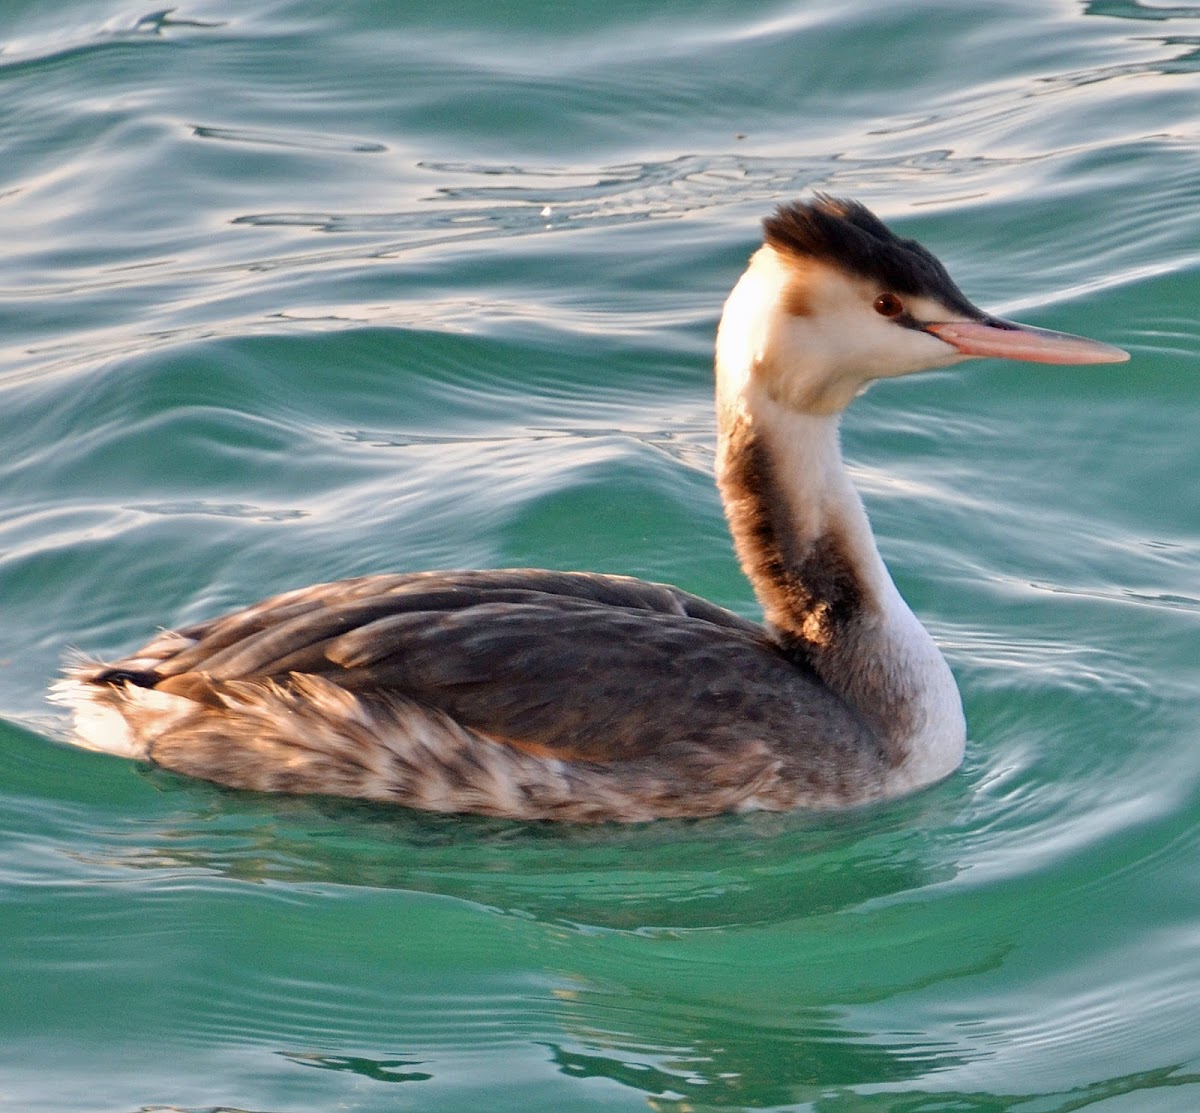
(582, 666)
(600, 683)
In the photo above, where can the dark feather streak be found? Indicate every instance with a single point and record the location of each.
(847, 234)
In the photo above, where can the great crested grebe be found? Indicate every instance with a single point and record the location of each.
(579, 696)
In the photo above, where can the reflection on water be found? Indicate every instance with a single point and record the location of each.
(755, 869)
(1135, 9)
(539, 199)
(699, 1055)
(615, 1011)
(376, 1070)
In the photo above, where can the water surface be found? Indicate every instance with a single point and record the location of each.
(293, 292)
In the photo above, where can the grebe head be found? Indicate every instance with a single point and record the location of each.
(834, 300)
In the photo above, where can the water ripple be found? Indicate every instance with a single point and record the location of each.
(297, 140)
(155, 27)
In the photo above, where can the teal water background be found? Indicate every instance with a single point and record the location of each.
(296, 291)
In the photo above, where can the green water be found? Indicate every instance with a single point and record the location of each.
(296, 291)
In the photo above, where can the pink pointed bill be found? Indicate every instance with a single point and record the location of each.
(1008, 340)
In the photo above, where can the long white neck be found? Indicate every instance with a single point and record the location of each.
(806, 545)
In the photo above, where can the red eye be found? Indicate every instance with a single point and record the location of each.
(889, 305)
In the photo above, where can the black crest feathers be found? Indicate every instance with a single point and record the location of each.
(848, 235)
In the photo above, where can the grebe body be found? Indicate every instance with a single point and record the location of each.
(577, 696)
